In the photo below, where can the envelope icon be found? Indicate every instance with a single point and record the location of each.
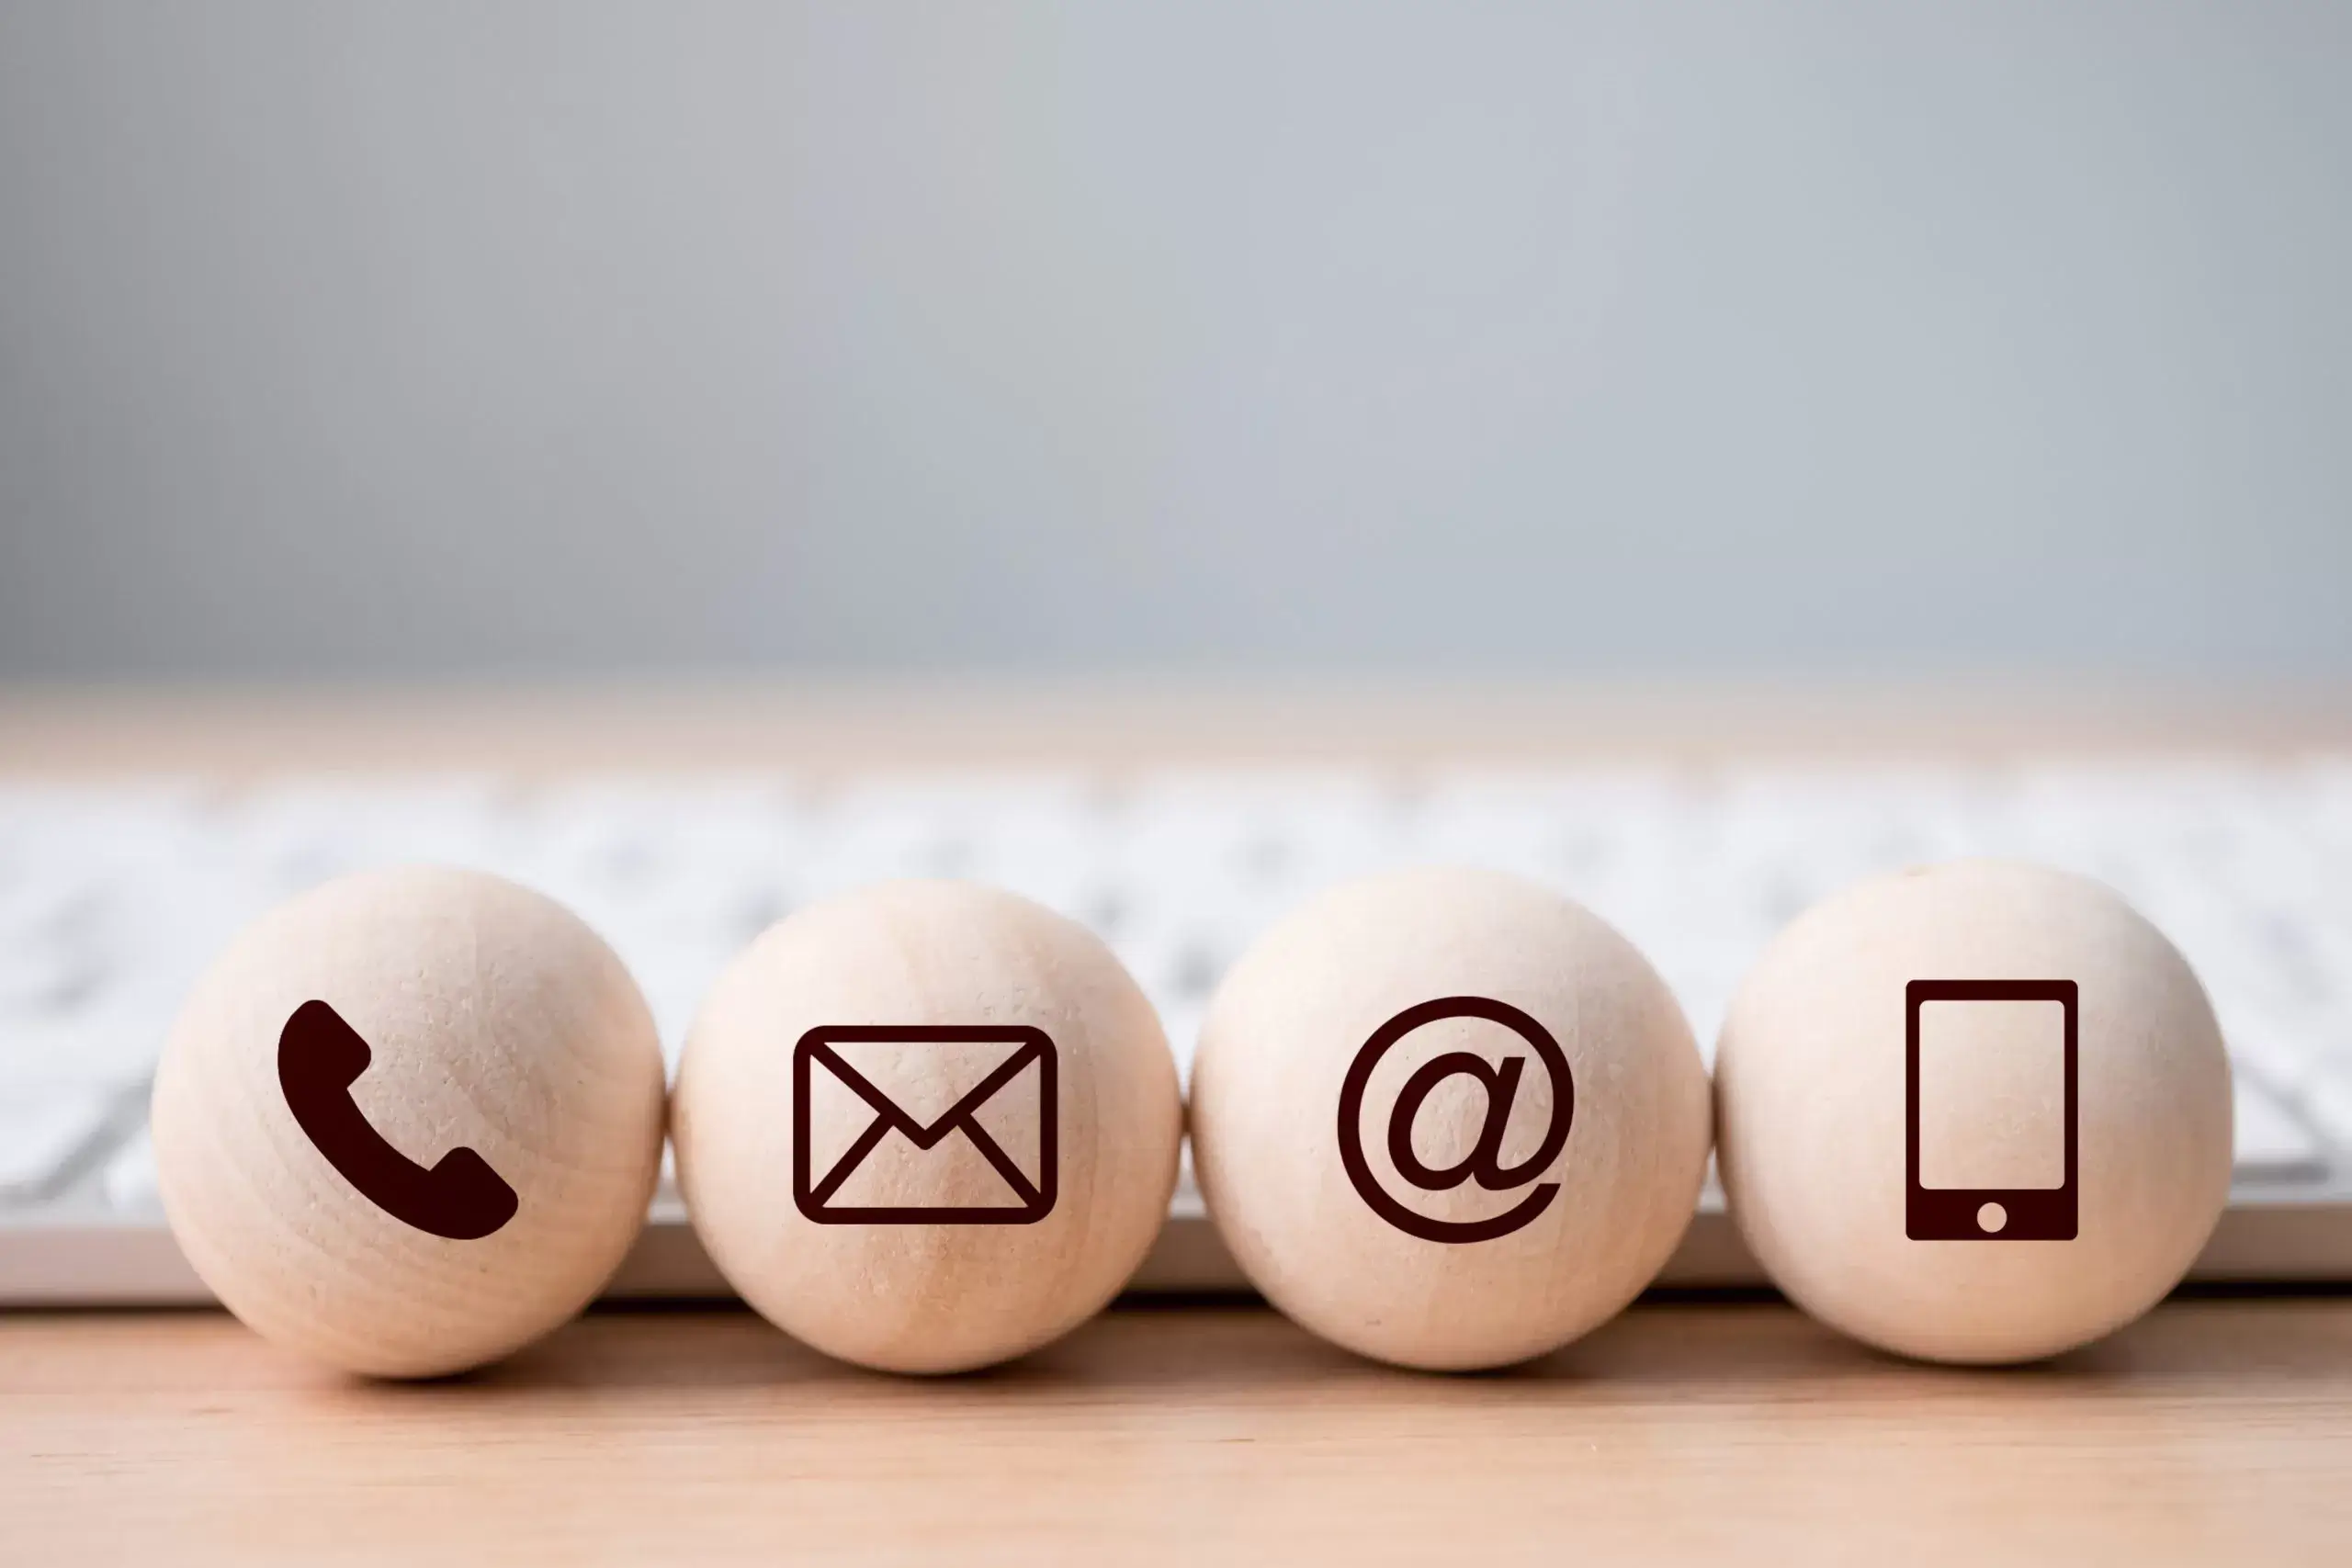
(817, 1051)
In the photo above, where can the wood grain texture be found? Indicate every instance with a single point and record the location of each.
(1361, 992)
(1093, 1123)
(482, 1020)
(2209, 1431)
(1811, 1115)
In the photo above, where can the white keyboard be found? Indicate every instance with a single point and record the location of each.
(113, 898)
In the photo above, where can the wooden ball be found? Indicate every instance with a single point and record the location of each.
(927, 1126)
(1448, 1119)
(410, 1120)
(1935, 1007)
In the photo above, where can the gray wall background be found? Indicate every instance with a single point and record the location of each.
(580, 335)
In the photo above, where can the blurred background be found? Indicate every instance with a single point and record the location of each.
(540, 338)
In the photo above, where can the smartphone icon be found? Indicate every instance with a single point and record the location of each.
(1989, 1087)
(319, 1059)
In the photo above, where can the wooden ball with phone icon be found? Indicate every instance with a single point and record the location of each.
(410, 1120)
(1974, 1112)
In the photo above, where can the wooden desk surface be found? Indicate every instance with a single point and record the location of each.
(2211, 1431)
(817, 728)
(2215, 1430)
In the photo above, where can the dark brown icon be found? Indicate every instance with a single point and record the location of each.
(1484, 1163)
(1988, 1214)
(1032, 1201)
(319, 1059)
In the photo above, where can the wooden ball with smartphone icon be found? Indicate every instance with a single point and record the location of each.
(927, 1126)
(1977, 1111)
(410, 1120)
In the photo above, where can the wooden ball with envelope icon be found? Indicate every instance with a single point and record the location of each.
(1448, 1119)
(927, 1126)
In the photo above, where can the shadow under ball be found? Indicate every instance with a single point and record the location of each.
(410, 1120)
(1814, 1076)
(928, 1126)
(1315, 1030)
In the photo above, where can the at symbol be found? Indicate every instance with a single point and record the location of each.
(1484, 1163)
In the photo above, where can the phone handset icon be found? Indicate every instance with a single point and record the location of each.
(319, 1059)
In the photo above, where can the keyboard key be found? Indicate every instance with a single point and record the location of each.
(41, 1136)
(109, 1042)
(1040, 835)
(2269, 1142)
(1241, 848)
(2329, 1104)
(80, 830)
(298, 832)
(712, 854)
(1183, 1026)
(40, 975)
(128, 1180)
(2280, 1047)
(675, 974)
